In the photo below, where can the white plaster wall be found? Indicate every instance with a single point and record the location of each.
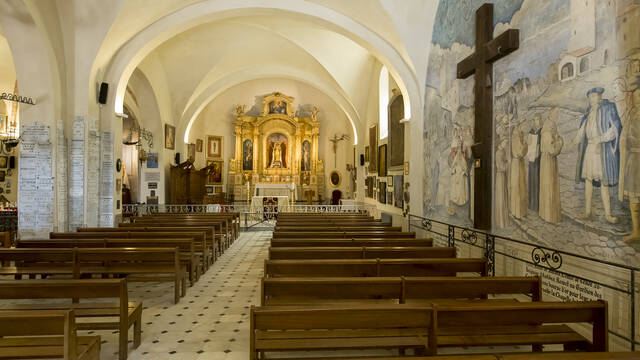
(217, 118)
(148, 115)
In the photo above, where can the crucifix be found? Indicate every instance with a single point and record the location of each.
(480, 63)
(335, 140)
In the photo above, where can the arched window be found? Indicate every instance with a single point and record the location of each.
(383, 87)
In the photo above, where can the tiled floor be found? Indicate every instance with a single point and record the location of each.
(212, 320)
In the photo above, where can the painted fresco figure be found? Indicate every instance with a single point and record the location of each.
(630, 167)
(598, 150)
(518, 186)
(501, 194)
(459, 171)
(533, 158)
(550, 146)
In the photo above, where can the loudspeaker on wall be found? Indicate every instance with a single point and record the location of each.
(177, 158)
(361, 159)
(12, 162)
(102, 95)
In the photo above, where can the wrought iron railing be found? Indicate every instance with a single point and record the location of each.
(560, 270)
(251, 216)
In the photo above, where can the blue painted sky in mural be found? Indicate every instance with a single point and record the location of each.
(456, 19)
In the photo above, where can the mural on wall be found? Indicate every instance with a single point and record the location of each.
(566, 115)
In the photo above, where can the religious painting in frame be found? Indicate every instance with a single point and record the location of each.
(191, 152)
(335, 178)
(366, 154)
(373, 148)
(215, 173)
(199, 145)
(214, 146)
(382, 192)
(169, 137)
(247, 155)
(305, 157)
(4, 162)
(396, 133)
(398, 199)
(382, 160)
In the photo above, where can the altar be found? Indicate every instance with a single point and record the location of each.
(276, 152)
(270, 190)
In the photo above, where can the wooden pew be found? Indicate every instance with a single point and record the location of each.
(364, 252)
(369, 242)
(199, 238)
(526, 323)
(343, 234)
(503, 356)
(334, 227)
(44, 335)
(374, 267)
(186, 247)
(305, 291)
(217, 231)
(233, 216)
(138, 264)
(341, 328)
(312, 222)
(205, 244)
(224, 226)
(128, 314)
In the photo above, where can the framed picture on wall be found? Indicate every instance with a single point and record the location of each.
(4, 162)
(199, 145)
(152, 160)
(214, 172)
(382, 160)
(214, 146)
(373, 148)
(169, 137)
(3, 174)
(191, 152)
(366, 154)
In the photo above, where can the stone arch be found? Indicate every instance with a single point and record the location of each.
(143, 43)
(191, 113)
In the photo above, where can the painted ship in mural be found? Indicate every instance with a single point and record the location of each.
(566, 119)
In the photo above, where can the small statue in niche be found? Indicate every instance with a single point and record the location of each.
(314, 113)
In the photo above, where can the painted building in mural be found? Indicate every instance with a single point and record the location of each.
(566, 120)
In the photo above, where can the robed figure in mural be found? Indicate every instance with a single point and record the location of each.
(518, 185)
(598, 150)
(459, 171)
(550, 147)
(501, 194)
(630, 167)
(533, 157)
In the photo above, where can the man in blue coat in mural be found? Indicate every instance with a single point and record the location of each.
(598, 150)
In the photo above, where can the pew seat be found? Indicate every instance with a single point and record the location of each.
(92, 314)
(47, 334)
(341, 328)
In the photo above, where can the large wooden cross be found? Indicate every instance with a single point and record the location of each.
(480, 63)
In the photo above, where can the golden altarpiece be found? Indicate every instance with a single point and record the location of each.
(276, 149)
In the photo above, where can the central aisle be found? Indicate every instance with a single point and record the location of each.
(212, 321)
